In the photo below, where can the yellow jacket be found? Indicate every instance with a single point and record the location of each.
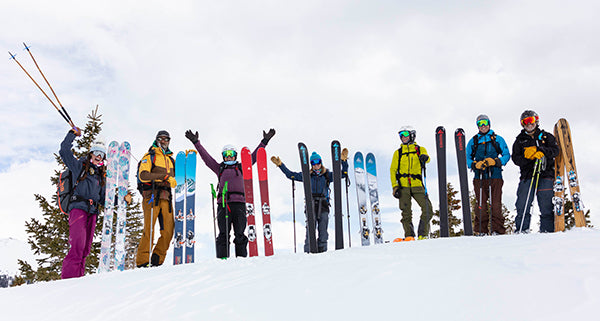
(410, 166)
(163, 167)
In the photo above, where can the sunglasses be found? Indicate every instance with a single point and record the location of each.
(315, 162)
(404, 133)
(483, 122)
(229, 153)
(163, 138)
(529, 120)
(98, 153)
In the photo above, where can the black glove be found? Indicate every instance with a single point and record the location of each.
(397, 192)
(267, 136)
(191, 136)
(423, 158)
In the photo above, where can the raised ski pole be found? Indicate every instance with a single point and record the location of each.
(535, 171)
(223, 200)
(348, 210)
(294, 211)
(214, 196)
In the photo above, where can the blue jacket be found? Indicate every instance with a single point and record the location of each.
(319, 182)
(486, 149)
(89, 187)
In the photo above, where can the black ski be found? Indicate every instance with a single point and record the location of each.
(310, 210)
(440, 144)
(337, 193)
(461, 158)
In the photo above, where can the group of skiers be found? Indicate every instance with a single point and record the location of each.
(487, 153)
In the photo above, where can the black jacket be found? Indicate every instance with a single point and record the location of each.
(545, 143)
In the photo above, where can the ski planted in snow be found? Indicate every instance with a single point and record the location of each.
(558, 200)
(310, 210)
(336, 154)
(124, 155)
(461, 158)
(179, 238)
(190, 204)
(112, 172)
(361, 194)
(261, 163)
(440, 143)
(249, 193)
(374, 198)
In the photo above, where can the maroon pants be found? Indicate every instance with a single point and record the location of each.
(81, 235)
(482, 210)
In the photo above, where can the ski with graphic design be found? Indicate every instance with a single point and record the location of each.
(261, 164)
(112, 169)
(461, 158)
(374, 198)
(310, 210)
(179, 238)
(336, 155)
(559, 188)
(248, 191)
(361, 194)
(124, 154)
(440, 143)
(566, 146)
(190, 205)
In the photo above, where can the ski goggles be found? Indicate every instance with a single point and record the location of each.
(529, 120)
(315, 162)
(404, 133)
(483, 122)
(99, 153)
(229, 153)
(163, 138)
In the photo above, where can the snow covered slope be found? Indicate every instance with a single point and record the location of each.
(517, 277)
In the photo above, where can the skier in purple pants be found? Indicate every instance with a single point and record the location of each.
(88, 193)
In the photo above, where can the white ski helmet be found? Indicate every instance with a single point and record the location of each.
(412, 133)
(228, 148)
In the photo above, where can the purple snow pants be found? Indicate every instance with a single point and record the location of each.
(81, 235)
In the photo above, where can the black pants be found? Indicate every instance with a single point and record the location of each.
(234, 214)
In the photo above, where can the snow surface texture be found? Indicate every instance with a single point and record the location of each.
(514, 277)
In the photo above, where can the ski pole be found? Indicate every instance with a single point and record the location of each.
(535, 170)
(294, 211)
(424, 170)
(480, 201)
(68, 120)
(214, 196)
(348, 210)
(490, 223)
(151, 239)
(225, 207)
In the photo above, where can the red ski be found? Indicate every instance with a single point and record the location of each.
(248, 191)
(261, 162)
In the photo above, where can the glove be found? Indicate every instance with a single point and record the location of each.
(537, 155)
(171, 181)
(344, 155)
(76, 131)
(529, 151)
(480, 165)
(276, 160)
(267, 136)
(489, 162)
(128, 199)
(423, 158)
(191, 136)
(396, 192)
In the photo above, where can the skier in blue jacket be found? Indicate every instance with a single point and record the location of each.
(487, 152)
(320, 178)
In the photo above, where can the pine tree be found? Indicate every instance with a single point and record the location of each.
(453, 221)
(134, 229)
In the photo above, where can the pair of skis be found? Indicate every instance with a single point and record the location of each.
(117, 181)
(185, 207)
(361, 193)
(460, 142)
(261, 162)
(565, 161)
(337, 195)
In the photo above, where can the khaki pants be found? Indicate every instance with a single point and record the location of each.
(406, 196)
(163, 213)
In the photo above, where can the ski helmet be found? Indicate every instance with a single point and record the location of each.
(229, 151)
(408, 131)
(483, 117)
(530, 113)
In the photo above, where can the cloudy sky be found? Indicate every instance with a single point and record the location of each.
(314, 70)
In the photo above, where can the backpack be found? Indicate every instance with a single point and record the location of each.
(141, 186)
(398, 175)
(492, 140)
(65, 188)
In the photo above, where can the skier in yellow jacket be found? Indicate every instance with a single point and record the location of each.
(407, 183)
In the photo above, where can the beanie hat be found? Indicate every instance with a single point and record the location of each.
(98, 145)
(315, 156)
(163, 133)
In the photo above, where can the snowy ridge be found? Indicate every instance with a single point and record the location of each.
(516, 277)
